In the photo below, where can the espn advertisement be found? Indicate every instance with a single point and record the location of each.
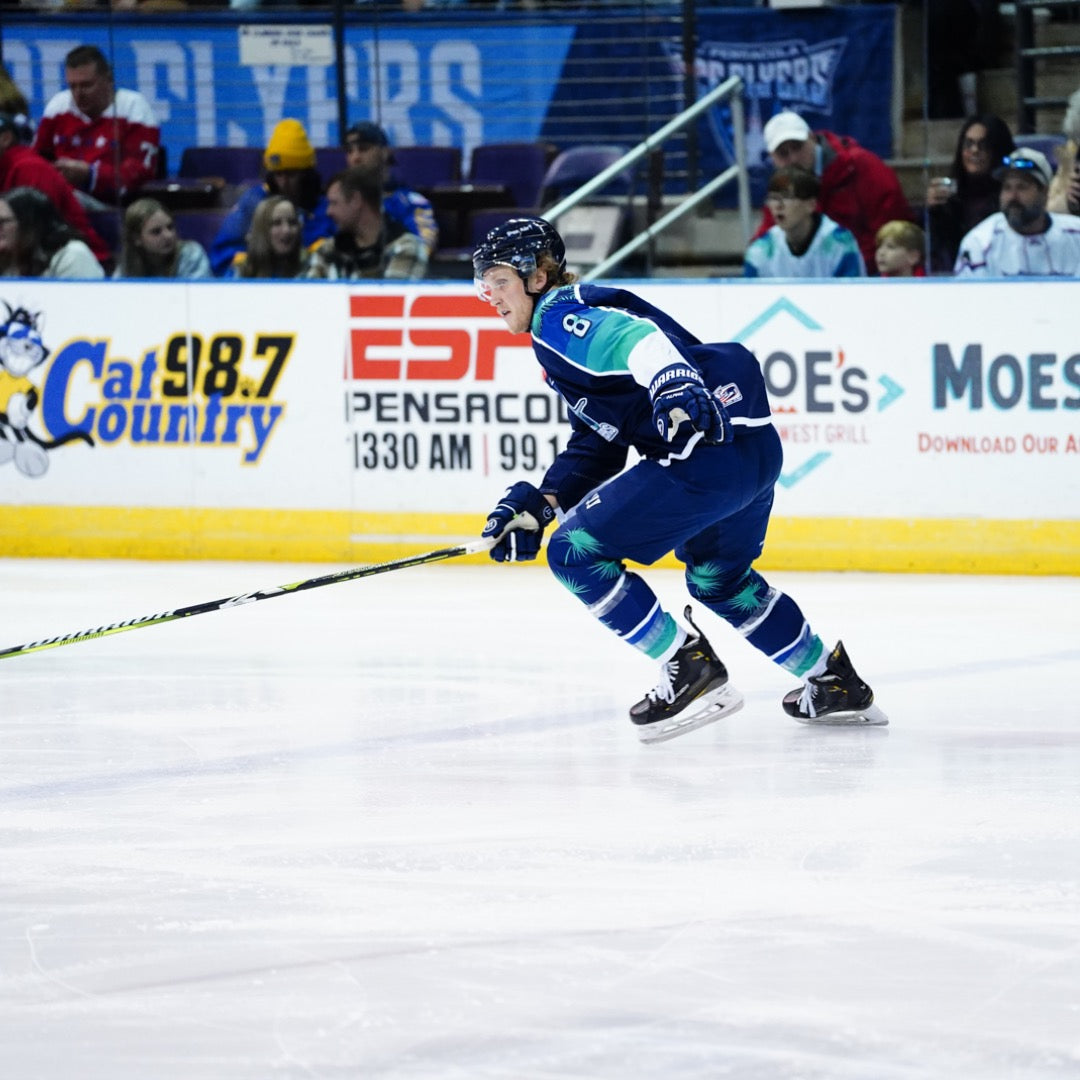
(414, 407)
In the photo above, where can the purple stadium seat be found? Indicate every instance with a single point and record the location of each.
(423, 167)
(517, 166)
(578, 165)
(329, 160)
(234, 164)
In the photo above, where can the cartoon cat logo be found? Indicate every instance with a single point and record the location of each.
(22, 350)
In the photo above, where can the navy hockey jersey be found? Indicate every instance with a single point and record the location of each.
(600, 348)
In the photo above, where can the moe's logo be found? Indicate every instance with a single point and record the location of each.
(820, 396)
(207, 390)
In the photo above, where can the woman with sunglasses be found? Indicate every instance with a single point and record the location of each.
(969, 194)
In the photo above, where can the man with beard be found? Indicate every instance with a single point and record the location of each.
(1023, 239)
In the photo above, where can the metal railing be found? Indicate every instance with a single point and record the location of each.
(1028, 54)
(730, 89)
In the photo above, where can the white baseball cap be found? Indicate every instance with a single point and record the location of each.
(785, 127)
(1024, 159)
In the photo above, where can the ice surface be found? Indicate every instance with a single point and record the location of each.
(401, 828)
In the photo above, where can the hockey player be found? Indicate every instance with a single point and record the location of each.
(699, 417)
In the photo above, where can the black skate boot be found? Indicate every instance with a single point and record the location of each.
(693, 691)
(836, 696)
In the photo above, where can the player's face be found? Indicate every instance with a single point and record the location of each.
(284, 228)
(504, 290)
(158, 234)
(91, 89)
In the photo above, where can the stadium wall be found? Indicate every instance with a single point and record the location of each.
(928, 426)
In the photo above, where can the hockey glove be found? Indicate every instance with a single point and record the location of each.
(519, 521)
(678, 393)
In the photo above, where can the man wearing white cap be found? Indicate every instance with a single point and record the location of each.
(1023, 239)
(858, 190)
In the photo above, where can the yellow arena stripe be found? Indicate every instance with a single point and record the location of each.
(898, 545)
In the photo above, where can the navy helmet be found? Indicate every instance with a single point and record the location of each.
(519, 243)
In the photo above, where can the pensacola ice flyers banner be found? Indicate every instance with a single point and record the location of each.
(833, 66)
(454, 84)
(228, 79)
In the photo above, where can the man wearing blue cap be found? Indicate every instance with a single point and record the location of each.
(367, 145)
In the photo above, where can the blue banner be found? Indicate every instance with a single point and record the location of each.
(448, 85)
(833, 66)
(465, 82)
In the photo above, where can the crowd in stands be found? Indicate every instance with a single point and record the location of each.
(832, 207)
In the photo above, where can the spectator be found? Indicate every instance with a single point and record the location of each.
(1064, 197)
(1023, 239)
(969, 194)
(900, 249)
(858, 190)
(289, 163)
(104, 141)
(367, 145)
(9, 225)
(45, 245)
(803, 242)
(274, 245)
(12, 99)
(22, 167)
(151, 248)
(368, 244)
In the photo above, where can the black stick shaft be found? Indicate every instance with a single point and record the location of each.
(438, 555)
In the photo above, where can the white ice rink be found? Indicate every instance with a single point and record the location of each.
(401, 828)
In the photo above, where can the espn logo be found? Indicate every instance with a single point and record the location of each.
(425, 337)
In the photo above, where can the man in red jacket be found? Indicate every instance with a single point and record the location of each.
(104, 141)
(20, 166)
(858, 190)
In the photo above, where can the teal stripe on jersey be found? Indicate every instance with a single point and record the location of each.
(607, 346)
(598, 340)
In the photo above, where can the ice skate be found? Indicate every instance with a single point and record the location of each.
(837, 696)
(693, 691)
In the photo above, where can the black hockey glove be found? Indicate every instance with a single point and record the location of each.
(678, 393)
(519, 521)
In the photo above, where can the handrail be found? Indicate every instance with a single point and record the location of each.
(729, 88)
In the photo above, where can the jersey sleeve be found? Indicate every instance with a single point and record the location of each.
(587, 461)
(608, 341)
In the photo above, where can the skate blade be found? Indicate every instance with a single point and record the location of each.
(870, 717)
(714, 705)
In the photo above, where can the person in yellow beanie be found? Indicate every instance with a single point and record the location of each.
(289, 149)
(289, 165)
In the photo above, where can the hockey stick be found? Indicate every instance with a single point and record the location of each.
(473, 548)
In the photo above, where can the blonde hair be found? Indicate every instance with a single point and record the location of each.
(906, 234)
(261, 260)
(134, 260)
(556, 276)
